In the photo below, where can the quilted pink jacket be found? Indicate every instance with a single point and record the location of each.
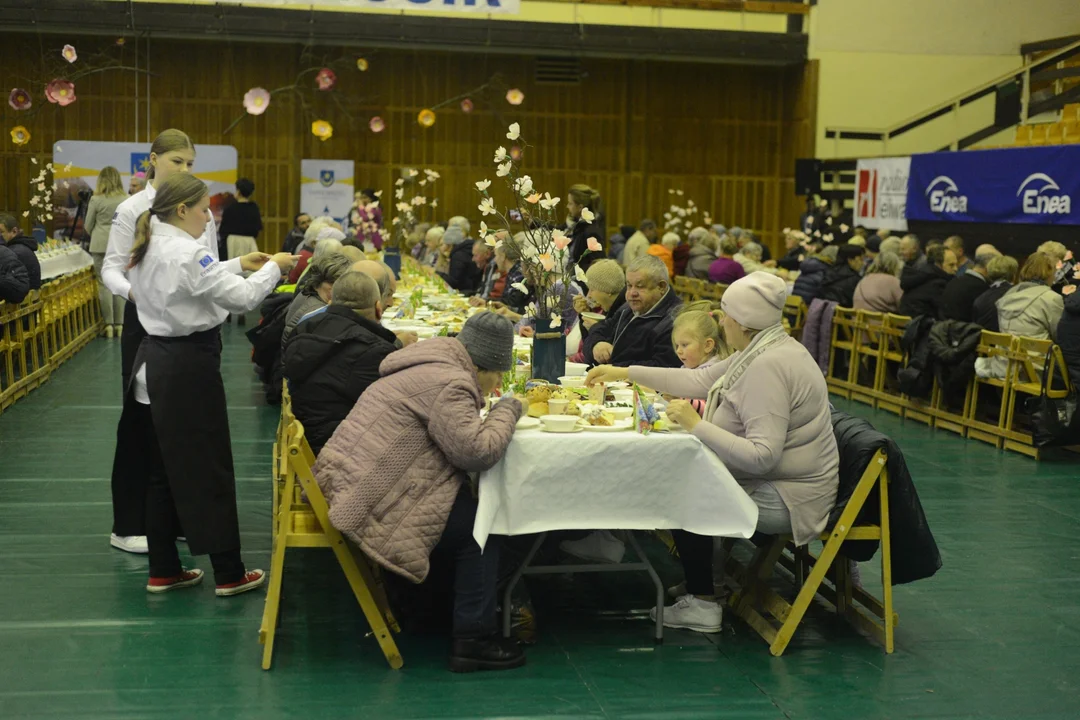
(393, 468)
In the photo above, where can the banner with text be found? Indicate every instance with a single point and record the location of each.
(1036, 185)
(881, 192)
(326, 187)
(481, 7)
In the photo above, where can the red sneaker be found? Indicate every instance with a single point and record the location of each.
(250, 581)
(186, 578)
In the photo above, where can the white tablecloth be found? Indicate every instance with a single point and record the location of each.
(614, 481)
(70, 261)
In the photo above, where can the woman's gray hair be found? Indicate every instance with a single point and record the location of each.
(890, 244)
(326, 268)
(650, 266)
(326, 246)
(886, 263)
(462, 222)
(752, 250)
(697, 235)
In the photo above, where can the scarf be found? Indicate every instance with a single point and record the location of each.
(763, 341)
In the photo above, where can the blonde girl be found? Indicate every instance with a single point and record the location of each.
(699, 339)
(108, 194)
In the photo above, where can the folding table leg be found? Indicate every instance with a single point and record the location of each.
(513, 581)
(659, 637)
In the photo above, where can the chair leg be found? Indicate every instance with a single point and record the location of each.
(889, 621)
(367, 601)
(272, 609)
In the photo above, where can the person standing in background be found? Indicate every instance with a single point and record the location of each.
(108, 195)
(241, 220)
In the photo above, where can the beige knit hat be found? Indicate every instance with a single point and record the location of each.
(606, 276)
(755, 301)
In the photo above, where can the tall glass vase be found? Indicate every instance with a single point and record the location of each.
(549, 352)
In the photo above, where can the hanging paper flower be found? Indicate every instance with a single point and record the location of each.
(20, 135)
(256, 100)
(466, 106)
(515, 96)
(60, 92)
(120, 42)
(326, 79)
(322, 130)
(515, 153)
(376, 124)
(426, 118)
(361, 64)
(69, 53)
(19, 99)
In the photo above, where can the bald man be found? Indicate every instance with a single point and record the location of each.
(384, 276)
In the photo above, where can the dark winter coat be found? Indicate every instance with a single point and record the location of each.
(463, 275)
(984, 310)
(330, 360)
(26, 249)
(14, 280)
(923, 287)
(811, 274)
(681, 256)
(958, 298)
(952, 350)
(1068, 336)
(579, 241)
(643, 340)
(839, 284)
(914, 551)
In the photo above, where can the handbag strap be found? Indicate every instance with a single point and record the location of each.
(1046, 372)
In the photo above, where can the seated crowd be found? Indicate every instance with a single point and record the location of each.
(397, 428)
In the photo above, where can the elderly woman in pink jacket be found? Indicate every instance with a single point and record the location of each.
(767, 417)
(396, 474)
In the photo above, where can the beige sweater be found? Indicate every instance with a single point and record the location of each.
(774, 424)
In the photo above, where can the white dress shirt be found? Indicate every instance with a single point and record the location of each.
(122, 237)
(183, 289)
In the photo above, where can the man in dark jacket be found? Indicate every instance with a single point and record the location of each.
(296, 236)
(958, 298)
(463, 274)
(1001, 271)
(924, 285)
(638, 333)
(334, 355)
(14, 281)
(25, 248)
(840, 280)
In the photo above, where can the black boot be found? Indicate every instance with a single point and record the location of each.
(489, 653)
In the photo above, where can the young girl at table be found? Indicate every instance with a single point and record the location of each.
(698, 339)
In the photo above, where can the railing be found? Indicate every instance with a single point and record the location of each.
(1017, 82)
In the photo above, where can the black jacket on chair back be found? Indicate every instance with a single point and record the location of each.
(14, 280)
(330, 360)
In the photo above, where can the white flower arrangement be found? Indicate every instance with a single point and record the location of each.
(42, 187)
(679, 219)
(405, 222)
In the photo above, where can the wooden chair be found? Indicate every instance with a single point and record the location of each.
(682, 288)
(712, 292)
(307, 525)
(843, 340)
(777, 620)
(1029, 366)
(696, 287)
(1000, 346)
(794, 316)
(869, 346)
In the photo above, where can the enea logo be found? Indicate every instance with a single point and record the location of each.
(945, 197)
(866, 194)
(1039, 198)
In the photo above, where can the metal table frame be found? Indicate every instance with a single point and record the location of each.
(643, 564)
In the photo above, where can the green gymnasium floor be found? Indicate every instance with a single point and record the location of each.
(996, 634)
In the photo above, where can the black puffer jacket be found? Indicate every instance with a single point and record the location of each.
(26, 250)
(915, 553)
(265, 339)
(839, 284)
(916, 379)
(329, 361)
(14, 280)
(643, 340)
(811, 274)
(923, 286)
(984, 311)
(952, 350)
(1068, 336)
(959, 296)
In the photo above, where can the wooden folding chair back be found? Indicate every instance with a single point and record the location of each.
(1026, 372)
(794, 315)
(681, 285)
(840, 371)
(307, 525)
(778, 619)
(696, 288)
(999, 349)
(712, 291)
(869, 346)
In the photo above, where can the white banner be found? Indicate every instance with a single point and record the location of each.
(881, 192)
(326, 187)
(214, 164)
(482, 7)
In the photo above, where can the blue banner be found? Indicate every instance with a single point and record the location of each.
(1037, 185)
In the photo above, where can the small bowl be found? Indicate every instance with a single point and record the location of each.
(620, 413)
(622, 395)
(558, 407)
(573, 369)
(619, 385)
(559, 423)
(576, 381)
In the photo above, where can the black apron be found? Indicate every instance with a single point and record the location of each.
(131, 338)
(183, 379)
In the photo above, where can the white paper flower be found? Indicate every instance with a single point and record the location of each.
(35, 201)
(524, 185)
(487, 206)
(587, 215)
(435, 203)
(843, 227)
(504, 169)
(787, 230)
(548, 202)
(403, 207)
(671, 191)
(515, 132)
(399, 182)
(491, 241)
(679, 192)
(579, 274)
(397, 221)
(419, 200)
(399, 193)
(500, 154)
(413, 172)
(422, 183)
(667, 216)
(828, 220)
(682, 213)
(689, 203)
(378, 194)
(483, 185)
(41, 187)
(432, 175)
(520, 287)
(26, 213)
(484, 230)
(556, 321)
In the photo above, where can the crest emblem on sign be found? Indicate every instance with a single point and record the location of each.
(326, 178)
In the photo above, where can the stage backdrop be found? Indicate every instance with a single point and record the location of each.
(326, 187)
(78, 163)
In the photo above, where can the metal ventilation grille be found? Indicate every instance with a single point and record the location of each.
(557, 71)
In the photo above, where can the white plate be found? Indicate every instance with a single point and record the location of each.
(528, 423)
(619, 426)
(563, 432)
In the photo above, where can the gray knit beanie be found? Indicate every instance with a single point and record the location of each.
(489, 340)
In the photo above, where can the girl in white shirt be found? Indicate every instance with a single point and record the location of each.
(175, 423)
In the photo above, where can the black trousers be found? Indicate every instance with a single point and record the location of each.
(130, 339)
(128, 481)
(696, 553)
(457, 562)
(162, 521)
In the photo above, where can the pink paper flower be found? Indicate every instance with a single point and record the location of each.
(559, 238)
(326, 79)
(19, 99)
(594, 245)
(256, 100)
(60, 92)
(376, 124)
(515, 96)
(69, 53)
(466, 106)
(546, 261)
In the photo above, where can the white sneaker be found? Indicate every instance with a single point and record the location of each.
(600, 546)
(692, 613)
(132, 544)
